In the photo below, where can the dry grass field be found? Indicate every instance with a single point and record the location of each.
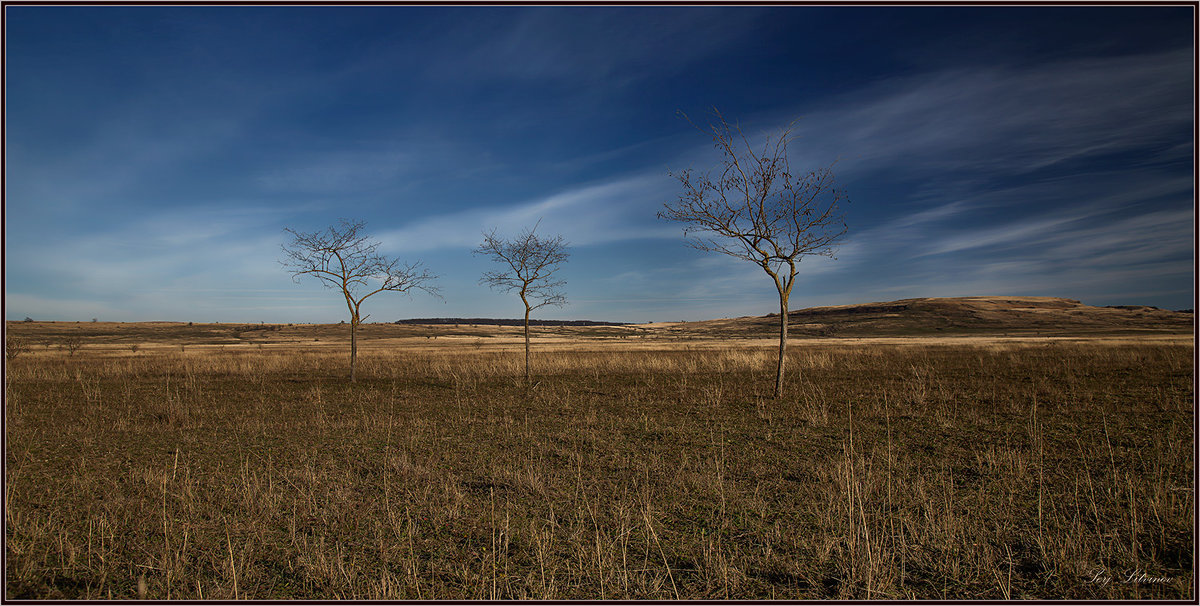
(171, 461)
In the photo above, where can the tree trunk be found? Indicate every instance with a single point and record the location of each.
(783, 326)
(527, 381)
(353, 347)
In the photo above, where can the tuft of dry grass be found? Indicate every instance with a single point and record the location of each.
(894, 471)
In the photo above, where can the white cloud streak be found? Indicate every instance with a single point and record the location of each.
(622, 209)
(166, 266)
(543, 45)
(1006, 120)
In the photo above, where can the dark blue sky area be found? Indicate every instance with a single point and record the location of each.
(154, 154)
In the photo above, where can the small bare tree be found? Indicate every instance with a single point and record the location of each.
(341, 257)
(15, 346)
(71, 344)
(754, 208)
(531, 262)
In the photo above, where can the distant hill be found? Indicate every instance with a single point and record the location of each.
(958, 315)
(506, 322)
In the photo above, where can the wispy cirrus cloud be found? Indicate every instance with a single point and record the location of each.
(612, 211)
(338, 172)
(575, 44)
(170, 265)
(1003, 119)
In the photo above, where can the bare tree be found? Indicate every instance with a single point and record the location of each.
(754, 208)
(15, 346)
(71, 344)
(342, 258)
(531, 262)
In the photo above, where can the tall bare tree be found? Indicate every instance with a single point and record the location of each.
(530, 265)
(753, 207)
(342, 258)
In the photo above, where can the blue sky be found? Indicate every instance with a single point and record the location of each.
(154, 155)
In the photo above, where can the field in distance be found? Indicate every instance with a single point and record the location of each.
(982, 461)
(1004, 318)
(977, 316)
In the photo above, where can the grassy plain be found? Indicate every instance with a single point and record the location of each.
(235, 461)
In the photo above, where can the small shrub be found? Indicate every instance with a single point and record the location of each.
(71, 345)
(15, 346)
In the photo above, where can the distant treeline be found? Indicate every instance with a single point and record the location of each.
(507, 322)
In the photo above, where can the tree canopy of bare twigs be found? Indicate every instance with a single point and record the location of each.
(14, 346)
(529, 263)
(754, 207)
(345, 259)
(71, 344)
